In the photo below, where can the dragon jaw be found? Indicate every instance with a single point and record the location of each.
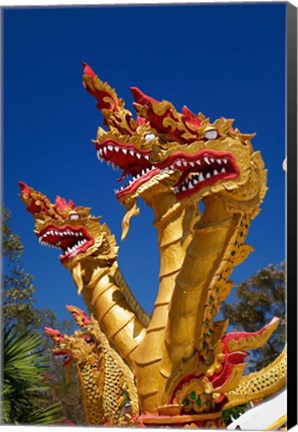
(225, 166)
(72, 240)
(132, 160)
(71, 229)
(200, 170)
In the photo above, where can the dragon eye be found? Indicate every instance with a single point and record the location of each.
(74, 216)
(211, 134)
(149, 136)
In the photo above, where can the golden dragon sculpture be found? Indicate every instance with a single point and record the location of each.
(107, 384)
(186, 366)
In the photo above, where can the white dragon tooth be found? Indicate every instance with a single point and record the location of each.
(105, 150)
(124, 151)
(116, 149)
(201, 177)
(208, 175)
(100, 152)
(138, 155)
(215, 172)
(183, 188)
(115, 191)
(179, 163)
(223, 170)
(190, 185)
(131, 181)
(172, 166)
(132, 152)
(225, 161)
(146, 157)
(212, 160)
(198, 162)
(206, 159)
(192, 164)
(111, 148)
(218, 161)
(185, 163)
(195, 181)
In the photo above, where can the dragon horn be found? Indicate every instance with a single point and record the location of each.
(108, 103)
(141, 98)
(240, 341)
(104, 94)
(54, 334)
(190, 117)
(36, 202)
(79, 315)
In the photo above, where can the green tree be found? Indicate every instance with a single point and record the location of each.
(257, 301)
(24, 380)
(19, 312)
(18, 290)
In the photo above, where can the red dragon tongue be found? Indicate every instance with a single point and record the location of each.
(124, 174)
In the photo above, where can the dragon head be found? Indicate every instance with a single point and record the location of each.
(82, 346)
(70, 228)
(127, 143)
(218, 161)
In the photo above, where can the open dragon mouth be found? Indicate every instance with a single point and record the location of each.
(201, 169)
(135, 164)
(71, 240)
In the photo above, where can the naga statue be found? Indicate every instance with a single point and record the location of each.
(180, 366)
(107, 384)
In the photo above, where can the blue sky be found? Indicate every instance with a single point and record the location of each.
(222, 60)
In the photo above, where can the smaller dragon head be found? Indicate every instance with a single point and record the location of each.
(82, 346)
(70, 228)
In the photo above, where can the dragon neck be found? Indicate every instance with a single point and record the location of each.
(92, 384)
(217, 246)
(174, 223)
(106, 302)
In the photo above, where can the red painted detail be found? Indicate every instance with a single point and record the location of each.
(218, 380)
(62, 204)
(24, 188)
(55, 334)
(244, 335)
(67, 240)
(190, 117)
(141, 98)
(157, 121)
(33, 207)
(105, 99)
(192, 157)
(123, 157)
(137, 183)
(87, 70)
(78, 314)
